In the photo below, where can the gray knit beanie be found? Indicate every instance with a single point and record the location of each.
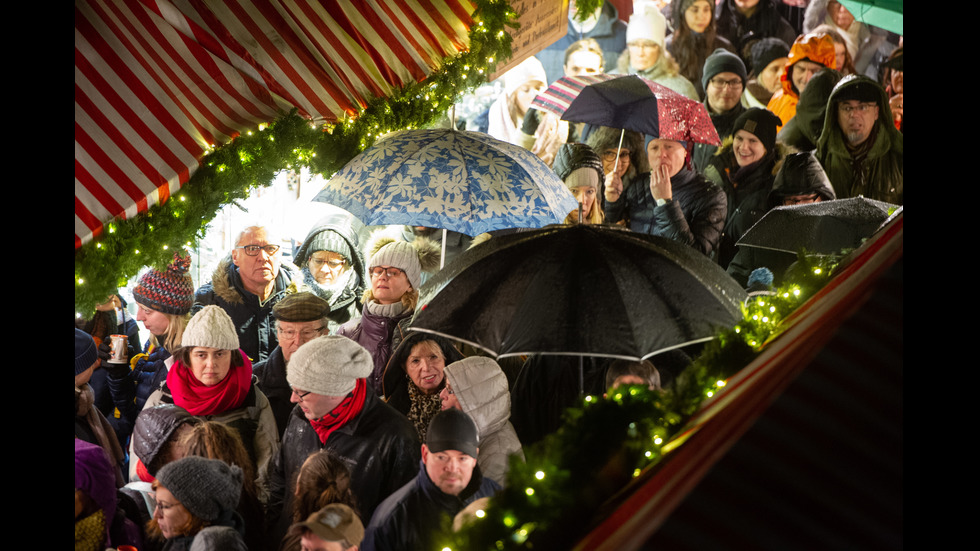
(401, 255)
(329, 365)
(211, 327)
(205, 487)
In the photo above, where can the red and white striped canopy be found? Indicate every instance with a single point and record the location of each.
(157, 82)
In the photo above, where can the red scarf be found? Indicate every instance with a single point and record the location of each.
(198, 399)
(347, 410)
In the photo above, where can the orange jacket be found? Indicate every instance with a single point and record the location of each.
(815, 47)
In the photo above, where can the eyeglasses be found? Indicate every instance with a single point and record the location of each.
(333, 263)
(161, 505)
(799, 199)
(862, 108)
(301, 395)
(307, 334)
(721, 83)
(611, 154)
(253, 250)
(386, 270)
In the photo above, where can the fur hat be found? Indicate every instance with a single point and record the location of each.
(211, 327)
(85, 351)
(421, 255)
(170, 291)
(208, 488)
(329, 365)
(646, 23)
(451, 429)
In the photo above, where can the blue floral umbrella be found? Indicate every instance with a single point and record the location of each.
(463, 181)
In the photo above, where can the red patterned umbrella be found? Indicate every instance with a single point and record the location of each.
(630, 102)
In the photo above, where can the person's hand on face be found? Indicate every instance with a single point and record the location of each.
(660, 186)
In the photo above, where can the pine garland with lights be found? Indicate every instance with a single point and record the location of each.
(228, 174)
(553, 497)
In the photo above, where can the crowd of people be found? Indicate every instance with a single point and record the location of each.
(289, 405)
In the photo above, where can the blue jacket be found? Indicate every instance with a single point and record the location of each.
(609, 32)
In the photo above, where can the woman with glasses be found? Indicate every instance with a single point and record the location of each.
(415, 376)
(333, 266)
(395, 270)
(195, 506)
(646, 55)
(623, 155)
(212, 378)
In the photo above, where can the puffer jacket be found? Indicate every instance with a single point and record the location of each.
(410, 518)
(379, 335)
(483, 393)
(695, 216)
(379, 447)
(818, 48)
(879, 174)
(254, 320)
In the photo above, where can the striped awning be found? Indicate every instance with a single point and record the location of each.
(158, 82)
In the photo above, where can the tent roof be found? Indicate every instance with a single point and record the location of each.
(157, 82)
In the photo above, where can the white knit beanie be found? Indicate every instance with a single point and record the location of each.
(329, 365)
(525, 71)
(401, 255)
(211, 327)
(646, 23)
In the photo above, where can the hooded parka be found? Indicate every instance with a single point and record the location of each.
(483, 393)
(878, 171)
(818, 48)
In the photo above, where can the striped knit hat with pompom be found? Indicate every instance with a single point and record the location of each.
(171, 291)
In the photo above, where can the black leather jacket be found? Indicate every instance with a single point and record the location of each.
(380, 448)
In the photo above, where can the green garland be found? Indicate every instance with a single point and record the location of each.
(229, 173)
(553, 497)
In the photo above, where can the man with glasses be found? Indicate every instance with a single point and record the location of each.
(300, 318)
(337, 410)
(859, 147)
(723, 78)
(246, 286)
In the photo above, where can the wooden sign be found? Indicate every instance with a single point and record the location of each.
(543, 22)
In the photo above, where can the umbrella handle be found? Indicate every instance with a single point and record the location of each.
(622, 132)
(442, 258)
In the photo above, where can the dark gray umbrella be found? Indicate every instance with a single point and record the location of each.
(580, 290)
(826, 227)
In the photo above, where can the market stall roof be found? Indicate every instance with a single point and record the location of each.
(159, 82)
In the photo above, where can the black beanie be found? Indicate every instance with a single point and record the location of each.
(722, 61)
(765, 51)
(761, 123)
(451, 429)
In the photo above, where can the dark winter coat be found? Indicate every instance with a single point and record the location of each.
(764, 22)
(879, 174)
(748, 197)
(379, 335)
(256, 326)
(270, 376)
(129, 393)
(411, 517)
(379, 447)
(799, 174)
(695, 216)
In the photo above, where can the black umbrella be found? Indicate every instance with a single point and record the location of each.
(580, 290)
(826, 227)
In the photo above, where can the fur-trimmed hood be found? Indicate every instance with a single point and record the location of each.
(227, 284)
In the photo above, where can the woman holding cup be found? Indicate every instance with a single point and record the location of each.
(164, 300)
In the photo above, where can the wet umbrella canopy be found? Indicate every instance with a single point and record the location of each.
(826, 227)
(580, 290)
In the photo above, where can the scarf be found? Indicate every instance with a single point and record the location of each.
(199, 399)
(332, 293)
(90, 532)
(101, 429)
(347, 410)
(392, 310)
(424, 408)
